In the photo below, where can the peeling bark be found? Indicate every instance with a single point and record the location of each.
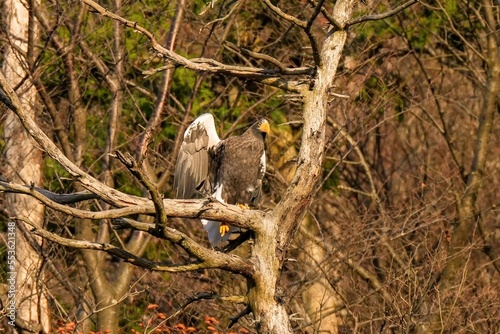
(24, 166)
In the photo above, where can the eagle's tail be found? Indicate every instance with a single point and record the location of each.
(213, 230)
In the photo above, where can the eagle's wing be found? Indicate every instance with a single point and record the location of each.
(191, 169)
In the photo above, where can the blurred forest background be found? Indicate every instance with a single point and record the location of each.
(401, 189)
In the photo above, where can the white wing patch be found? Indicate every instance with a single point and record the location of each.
(206, 121)
(263, 164)
(193, 160)
(192, 170)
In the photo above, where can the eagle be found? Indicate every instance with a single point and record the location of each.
(229, 170)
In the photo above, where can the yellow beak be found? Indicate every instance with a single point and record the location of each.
(264, 127)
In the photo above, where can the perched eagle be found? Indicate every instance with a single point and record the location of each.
(229, 170)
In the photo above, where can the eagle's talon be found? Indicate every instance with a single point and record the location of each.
(223, 229)
(243, 206)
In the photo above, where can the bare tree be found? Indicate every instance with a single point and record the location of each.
(416, 132)
(273, 231)
(459, 251)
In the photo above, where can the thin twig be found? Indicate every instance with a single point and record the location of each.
(133, 167)
(284, 15)
(312, 39)
(381, 16)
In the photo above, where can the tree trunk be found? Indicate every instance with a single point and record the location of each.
(24, 166)
(280, 226)
(319, 298)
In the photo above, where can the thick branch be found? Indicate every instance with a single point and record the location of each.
(285, 16)
(206, 209)
(283, 69)
(67, 198)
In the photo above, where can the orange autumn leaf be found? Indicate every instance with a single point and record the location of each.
(180, 326)
(211, 320)
(152, 306)
(162, 316)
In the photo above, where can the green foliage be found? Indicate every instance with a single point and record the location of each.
(422, 25)
(275, 111)
(331, 176)
(124, 183)
(371, 90)
(57, 179)
(182, 87)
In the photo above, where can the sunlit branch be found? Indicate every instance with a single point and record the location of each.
(285, 16)
(381, 16)
(256, 55)
(193, 208)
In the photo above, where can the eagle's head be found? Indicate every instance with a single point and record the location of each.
(262, 126)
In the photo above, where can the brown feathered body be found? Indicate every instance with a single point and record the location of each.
(229, 170)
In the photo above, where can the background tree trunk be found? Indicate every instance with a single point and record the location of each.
(24, 166)
(318, 296)
(320, 299)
